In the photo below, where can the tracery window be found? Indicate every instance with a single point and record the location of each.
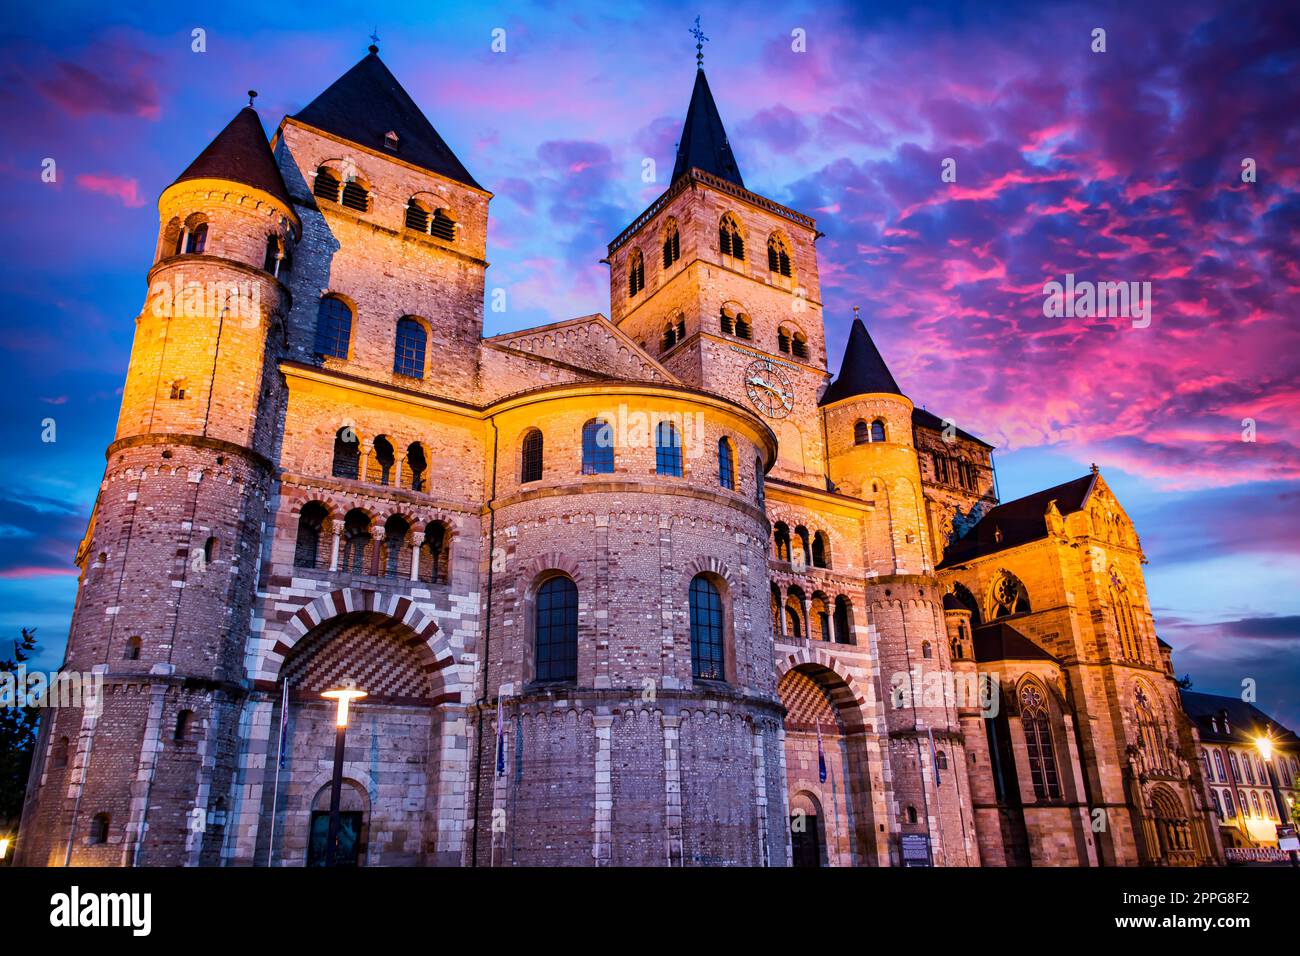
(1007, 597)
(1038, 741)
(730, 242)
(635, 272)
(672, 244)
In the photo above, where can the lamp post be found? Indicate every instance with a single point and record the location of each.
(343, 696)
(1265, 747)
(4, 848)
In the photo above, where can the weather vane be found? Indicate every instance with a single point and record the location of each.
(374, 40)
(700, 40)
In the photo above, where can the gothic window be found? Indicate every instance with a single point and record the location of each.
(306, 550)
(730, 242)
(635, 272)
(597, 448)
(878, 430)
(347, 457)
(333, 327)
(967, 600)
(668, 450)
(672, 244)
(184, 722)
(1236, 767)
(706, 629)
(821, 550)
(1148, 731)
(326, 185)
(726, 465)
(555, 626)
(1254, 805)
(531, 457)
(356, 541)
(383, 458)
(1007, 597)
(417, 463)
(408, 353)
(1205, 765)
(1122, 614)
(1218, 766)
(132, 652)
(99, 829)
(861, 434)
(778, 256)
(843, 629)
(1228, 809)
(1038, 742)
(1250, 770)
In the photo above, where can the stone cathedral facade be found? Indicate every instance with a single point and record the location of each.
(651, 589)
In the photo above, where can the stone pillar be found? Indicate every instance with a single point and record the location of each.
(673, 790)
(602, 826)
(336, 528)
(377, 538)
(417, 542)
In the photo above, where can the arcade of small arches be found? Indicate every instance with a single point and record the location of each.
(375, 461)
(800, 549)
(865, 433)
(421, 213)
(818, 617)
(190, 237)
(400, 546)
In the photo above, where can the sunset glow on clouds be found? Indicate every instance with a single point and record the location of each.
(1122, 166)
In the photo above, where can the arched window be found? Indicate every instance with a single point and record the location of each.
(782, 340)
(927, 651)
(1228, 809)
(759, 493)
(395, 563)
(860, 433)
(379, 469)
(556, 630)
(672, 243)
(1236, 767)
(744, 328)
(1038, 742)
(781, 540)
(674, 331)
(911, 814)
(356, 541)
(1254, 805)
(436, 558)
(940, 760)
(821, 551)
(1007, 597)
(356, 195)
(530, 466)
(184, 720)
(730, 242)
(333, 327)
(347, 453)
(597, 448)
(819, 618)
(668, 450)
(59, 755)
(306, 549)
(843, 627)
(417, 216)
(1218, 766)
(799, 345)
(99, 829)
(408, 354)
(442, 226)
(706, 630)
(417, 463)
(326, 185)
(1250, 770)
(1205, 765)
(132, 652)
(778, 256)
(635, 272)
(277, 259)
(878, 430)
(195, 240)
(1149, 736)
(726, 465)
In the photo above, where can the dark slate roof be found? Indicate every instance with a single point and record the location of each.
(240, 154)
(862, 371)
(1019, 521)
(1000, 641)
(704, 143)
(923, 419)
(1246, 720)
(366, 102)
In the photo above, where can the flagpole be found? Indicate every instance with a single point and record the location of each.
(279, 759)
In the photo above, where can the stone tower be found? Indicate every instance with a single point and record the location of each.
(168, 562)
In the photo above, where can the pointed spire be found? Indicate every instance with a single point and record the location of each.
(862, 371)
(366, 103)
(704, 142)
(240, 154)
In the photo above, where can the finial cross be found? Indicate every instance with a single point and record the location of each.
(700, 40)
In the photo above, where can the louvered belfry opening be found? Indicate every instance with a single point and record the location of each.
(417, 217)
(356, 196)
(443, 227)
(326, 186)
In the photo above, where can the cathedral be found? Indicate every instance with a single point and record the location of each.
(657, 588)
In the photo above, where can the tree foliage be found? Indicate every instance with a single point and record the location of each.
(17, 730)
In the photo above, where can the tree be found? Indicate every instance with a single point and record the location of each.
(17, 730)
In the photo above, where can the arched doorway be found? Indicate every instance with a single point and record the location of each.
(1173, 829)
(350, 850)
(826, 768)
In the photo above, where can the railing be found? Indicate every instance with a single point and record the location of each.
(1255, 854)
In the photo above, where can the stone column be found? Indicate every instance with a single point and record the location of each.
(673, 790)
(602, 826)
(377, 537)
(417, 542)
(336, 528)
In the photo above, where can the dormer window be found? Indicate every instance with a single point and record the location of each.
(390, 141)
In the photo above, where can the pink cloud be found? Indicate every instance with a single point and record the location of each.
(125, 190)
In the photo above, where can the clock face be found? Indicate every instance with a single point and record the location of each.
(768, 389)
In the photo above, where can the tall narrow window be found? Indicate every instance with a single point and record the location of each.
(843, 628)
(408, 354)
(820, 550)
(417, 463)
(556, 630)
(860, 434)
(760, 493)
(306, 549)
(672, 244)
(347, 456)
(597, 448)
(197, 240)
(132, 649)
(778, 257)
(726, 465)
(183, 722)
(668, 450)
(782, 340)
(730, 242)
(396, 528)
(333, 327)
(706, 630)
(878, 430)
(1218, 766)
(726, 321)
(59, 755)
(531, 457)
(437, 556)
(1038, 742)
(799, 345)
(356, 541)
(382, 459)
(99, 828)
(635, 272)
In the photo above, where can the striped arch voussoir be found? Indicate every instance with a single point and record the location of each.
(710, 565)
(843, 690)
(551, 561)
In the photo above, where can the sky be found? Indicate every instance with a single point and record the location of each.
(1122, 165)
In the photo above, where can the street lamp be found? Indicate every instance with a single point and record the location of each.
(343, 697)
(4, 847)
(1265, 747)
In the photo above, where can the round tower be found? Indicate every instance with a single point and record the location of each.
(169, 561)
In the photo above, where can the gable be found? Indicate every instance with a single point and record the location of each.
(591, 343)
